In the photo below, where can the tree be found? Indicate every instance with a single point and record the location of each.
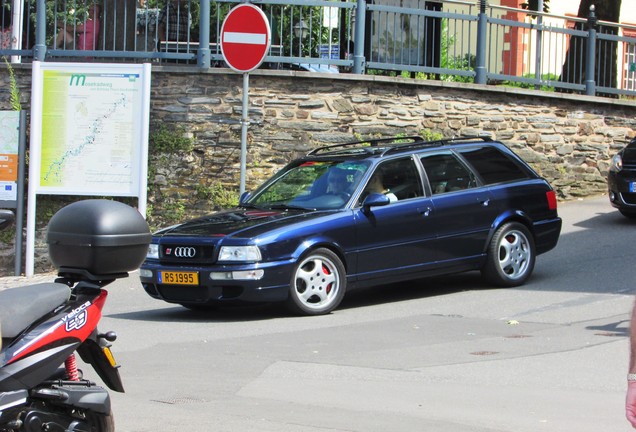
(534, 5)
(574, 67)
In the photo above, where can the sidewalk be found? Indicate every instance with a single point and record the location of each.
(16, 281)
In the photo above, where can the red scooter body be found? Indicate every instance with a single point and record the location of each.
(43, 326)
(37, 353)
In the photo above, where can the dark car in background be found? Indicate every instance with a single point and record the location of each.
(361, 214)
(621, 180)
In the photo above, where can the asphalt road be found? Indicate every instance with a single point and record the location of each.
(446, 354)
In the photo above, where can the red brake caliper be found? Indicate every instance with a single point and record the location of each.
(326, 271)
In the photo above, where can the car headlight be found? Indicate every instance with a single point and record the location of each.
(153, 251)
(239, 253)
(617, 163)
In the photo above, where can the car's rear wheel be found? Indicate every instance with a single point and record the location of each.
(511, 256)
(318, 283)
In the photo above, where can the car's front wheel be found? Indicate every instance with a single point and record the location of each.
(511, 256)
(318, 283)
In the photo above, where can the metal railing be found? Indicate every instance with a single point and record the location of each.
(447, 40)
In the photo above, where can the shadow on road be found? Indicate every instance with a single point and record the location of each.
(363, 297)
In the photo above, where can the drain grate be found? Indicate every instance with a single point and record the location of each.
(179, 401)
(484, 353)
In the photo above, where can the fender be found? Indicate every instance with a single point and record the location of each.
(92, 352)
(507, 216)
(317, 242)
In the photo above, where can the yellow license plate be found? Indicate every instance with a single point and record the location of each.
(178, 278)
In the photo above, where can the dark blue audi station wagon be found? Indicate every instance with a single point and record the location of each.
(360, 214)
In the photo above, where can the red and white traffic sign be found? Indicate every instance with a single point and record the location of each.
(245, 37)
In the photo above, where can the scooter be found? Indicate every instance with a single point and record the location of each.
(91, 243)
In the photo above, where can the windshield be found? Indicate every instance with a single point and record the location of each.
(311, 185)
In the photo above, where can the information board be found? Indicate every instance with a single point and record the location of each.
(92, 135)
(9, 142)
(89, 134)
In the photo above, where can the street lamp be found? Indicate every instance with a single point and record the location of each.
(301, 29)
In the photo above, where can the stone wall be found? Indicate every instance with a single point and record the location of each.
(569, 139)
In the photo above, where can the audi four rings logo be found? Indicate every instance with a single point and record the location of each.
(183, 252)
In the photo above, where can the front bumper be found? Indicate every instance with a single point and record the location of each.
(621, 187)
(273, 286)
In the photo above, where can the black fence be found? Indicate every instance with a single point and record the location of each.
(445, 40)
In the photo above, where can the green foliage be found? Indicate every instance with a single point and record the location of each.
(174, 212)
(68, 11)
(7, 236)
(382, 72)
(467, 62)
(217, 195)
(545, 77)
(172, 140)
(14, 98)
(429, 135)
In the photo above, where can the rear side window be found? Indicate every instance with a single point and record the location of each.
(493, 165)
(446, 173)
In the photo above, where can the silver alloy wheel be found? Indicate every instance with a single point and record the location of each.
(514, 254)
(317, 286)
(511, 255)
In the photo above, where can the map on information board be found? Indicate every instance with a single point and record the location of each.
(91, 130)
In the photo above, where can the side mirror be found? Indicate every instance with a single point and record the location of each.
(375, 200)
(244, 197)
(6, 218)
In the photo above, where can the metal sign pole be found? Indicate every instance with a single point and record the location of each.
(245, 40)
(244, 124)
(19, 217)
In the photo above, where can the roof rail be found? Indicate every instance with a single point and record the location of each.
(374, 142)
(383, 146)
(440, 143)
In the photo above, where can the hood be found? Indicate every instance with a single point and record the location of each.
(245, 222)
(629, 153)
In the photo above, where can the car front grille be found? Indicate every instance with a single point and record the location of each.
(186, 254)
(629, 198)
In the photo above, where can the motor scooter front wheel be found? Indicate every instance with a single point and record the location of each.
(101, 422)
(95, 421)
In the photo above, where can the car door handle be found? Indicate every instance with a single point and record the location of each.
(484, 202)
(425, 211)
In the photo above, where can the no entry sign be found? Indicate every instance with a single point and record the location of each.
(245, 37)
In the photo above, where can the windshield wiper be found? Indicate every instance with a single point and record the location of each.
(250, 206)
(289, 207)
